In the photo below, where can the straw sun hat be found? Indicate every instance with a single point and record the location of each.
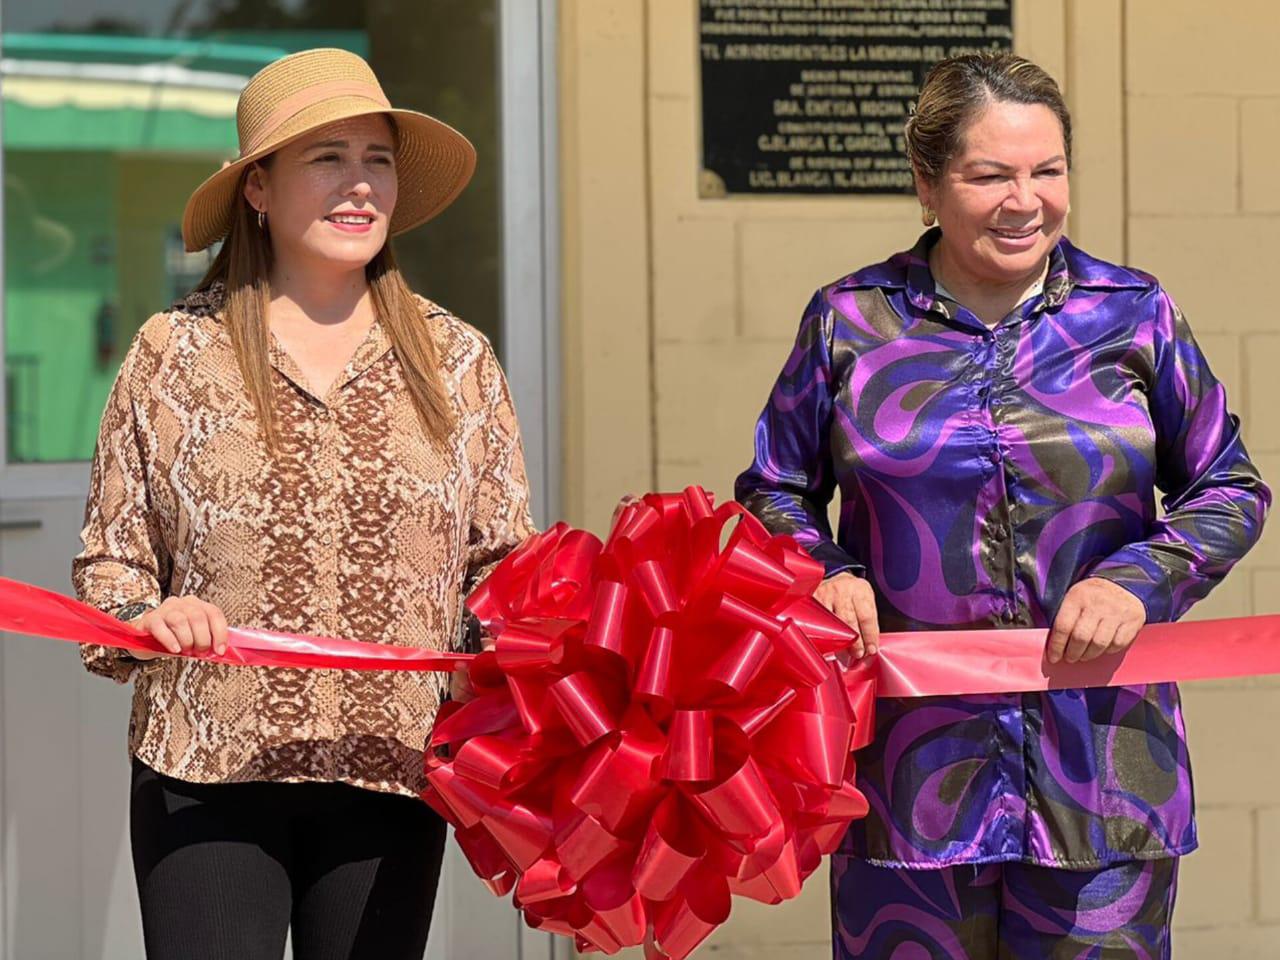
(307, 90)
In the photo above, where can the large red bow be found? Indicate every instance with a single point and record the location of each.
(658, 727)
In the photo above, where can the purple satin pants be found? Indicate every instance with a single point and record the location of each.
(1002, 911)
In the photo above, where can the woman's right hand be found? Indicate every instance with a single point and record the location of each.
(852, 600)
(184, 625)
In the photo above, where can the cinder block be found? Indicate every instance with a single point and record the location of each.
(675, 475)
(1040, 34)
(1266, 582)
(716, 478)
(1215, 883)
(784, 261)
(1184, 46)
(791, 929)
(695, 287)
(1238, 942)
(1164, 162)
(1268, 854)
(675, 149)
(1222, 350)
(1210, 266)
(607, 384)
(712, 948)
(673, 48)
(770, 951)
(1259, 147)
(1232, 737)
(708, 399)
(1096, 96)
(1231, 598)
(1262, 424)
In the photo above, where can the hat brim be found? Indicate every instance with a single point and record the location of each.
(434, 162)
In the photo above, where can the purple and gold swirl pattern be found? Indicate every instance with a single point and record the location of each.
(1015, 911)
(981, 473)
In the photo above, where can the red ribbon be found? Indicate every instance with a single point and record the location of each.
(663, 721)
(942, 663)
(42, 613)
(661, 724)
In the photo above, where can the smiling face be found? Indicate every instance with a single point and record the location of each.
(1002, 199)
(329, 196)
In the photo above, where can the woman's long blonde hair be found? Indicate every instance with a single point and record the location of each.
(243, 266)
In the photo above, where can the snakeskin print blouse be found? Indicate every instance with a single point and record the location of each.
(360, 527)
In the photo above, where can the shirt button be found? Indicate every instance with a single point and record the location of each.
(327, 539)
(324, 604)
(326, 473)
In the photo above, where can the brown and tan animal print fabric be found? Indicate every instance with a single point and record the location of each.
(360, 527)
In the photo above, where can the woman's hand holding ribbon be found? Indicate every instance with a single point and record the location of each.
(1096, 617)
(184, 625)
(854, 601)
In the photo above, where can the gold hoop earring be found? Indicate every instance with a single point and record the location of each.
(262, 220)
(927, 216)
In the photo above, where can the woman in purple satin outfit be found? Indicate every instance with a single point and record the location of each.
(998, 409)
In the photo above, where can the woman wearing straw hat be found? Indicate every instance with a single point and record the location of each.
(302, 444)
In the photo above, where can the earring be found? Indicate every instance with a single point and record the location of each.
(262, 220)
(927, 216)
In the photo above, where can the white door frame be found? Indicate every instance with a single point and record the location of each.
(531, 238)
(530, 347)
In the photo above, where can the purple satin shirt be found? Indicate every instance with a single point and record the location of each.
(982, 472)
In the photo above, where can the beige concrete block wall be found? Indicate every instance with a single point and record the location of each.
(607, 392)
(1202, 98)
(680, 311)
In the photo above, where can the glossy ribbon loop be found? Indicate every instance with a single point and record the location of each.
(689, 698)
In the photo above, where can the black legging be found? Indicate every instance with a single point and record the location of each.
(225, 869)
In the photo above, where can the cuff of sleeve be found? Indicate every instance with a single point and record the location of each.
(1133, 571)
(836, 560)
(109, 662)
(110, 584)
(471, 635)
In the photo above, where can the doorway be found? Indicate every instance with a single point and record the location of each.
(113, 110)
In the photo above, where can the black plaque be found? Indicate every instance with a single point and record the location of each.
(810, 96)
